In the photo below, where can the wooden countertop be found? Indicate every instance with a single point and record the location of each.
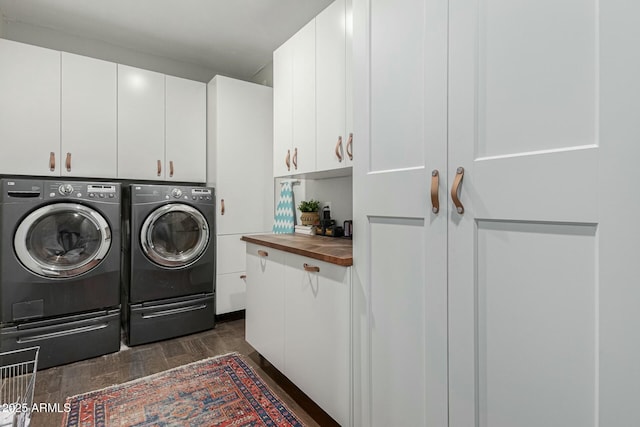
(330, 249)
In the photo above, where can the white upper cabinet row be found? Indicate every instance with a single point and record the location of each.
(68, 115)
(312, 95)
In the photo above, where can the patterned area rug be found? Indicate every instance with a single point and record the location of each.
(221, 391)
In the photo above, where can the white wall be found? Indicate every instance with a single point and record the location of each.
(338, 191)
(52, 39)
(264, 76)
(2, 24)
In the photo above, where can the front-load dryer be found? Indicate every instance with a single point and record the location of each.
(168, 285)
(60, 268)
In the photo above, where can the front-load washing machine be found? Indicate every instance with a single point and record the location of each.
(60, 268)
(169, 264)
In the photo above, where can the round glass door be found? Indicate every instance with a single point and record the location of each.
(62, 240)
(174, 235)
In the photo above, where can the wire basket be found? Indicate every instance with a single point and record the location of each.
(17, 384)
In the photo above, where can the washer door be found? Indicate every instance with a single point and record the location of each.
(174, 235)
(62, 240)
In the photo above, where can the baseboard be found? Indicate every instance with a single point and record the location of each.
(228, 317)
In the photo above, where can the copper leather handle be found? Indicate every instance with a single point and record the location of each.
(159, 167)
(295, 158)
(263, 253)
(311, 268)
(171, 169)
(221, 206)
(338, 149)
(349, 145)
(287, 160)
(243, 276)
(68, 162)
(52, 161)
(435, 182)
(455, 189)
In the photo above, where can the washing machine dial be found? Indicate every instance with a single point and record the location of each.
(176, 192)
(65, 189)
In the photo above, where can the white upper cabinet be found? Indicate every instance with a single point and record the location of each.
(313, 100)
(161, 127)
(186, 127)
(240, 148)
(29, 110)
(295, 103)
(89, 117)
(282, 109)
(303, 155)
(332, 132)
(140, 124)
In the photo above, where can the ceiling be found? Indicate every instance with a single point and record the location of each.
(231, 37)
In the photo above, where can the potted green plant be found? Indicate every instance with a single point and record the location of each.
(309, 209)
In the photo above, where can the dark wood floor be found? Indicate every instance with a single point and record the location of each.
(54, 385)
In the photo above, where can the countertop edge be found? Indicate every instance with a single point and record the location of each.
(344, 262)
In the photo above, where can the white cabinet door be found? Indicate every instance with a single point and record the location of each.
(89, 117)
(539, 302)
(140, 124)
(29, 110)
(282, 109)
(400, 276)
(331, 137)
(231, 256)
(348, 144)
(265, 303)
(303, 153)
(541, 314)
(244, 175)
(231, 292)
(186, 128)
(317, 332)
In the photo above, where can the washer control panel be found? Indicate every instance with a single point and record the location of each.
(82, 190)
(101, 191)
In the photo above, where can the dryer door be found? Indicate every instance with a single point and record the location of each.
(174, 235)
(62, 240)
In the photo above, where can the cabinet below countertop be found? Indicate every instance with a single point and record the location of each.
(333, 250)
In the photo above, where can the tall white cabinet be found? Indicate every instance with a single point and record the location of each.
(239, 165)
(512, 302)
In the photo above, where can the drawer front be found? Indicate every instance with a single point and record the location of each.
(170, 318)
(231, 291)
(231, 253)
(67, 339)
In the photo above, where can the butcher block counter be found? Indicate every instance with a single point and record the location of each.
(333, 250)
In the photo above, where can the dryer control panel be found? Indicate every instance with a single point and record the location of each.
(142, 193)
